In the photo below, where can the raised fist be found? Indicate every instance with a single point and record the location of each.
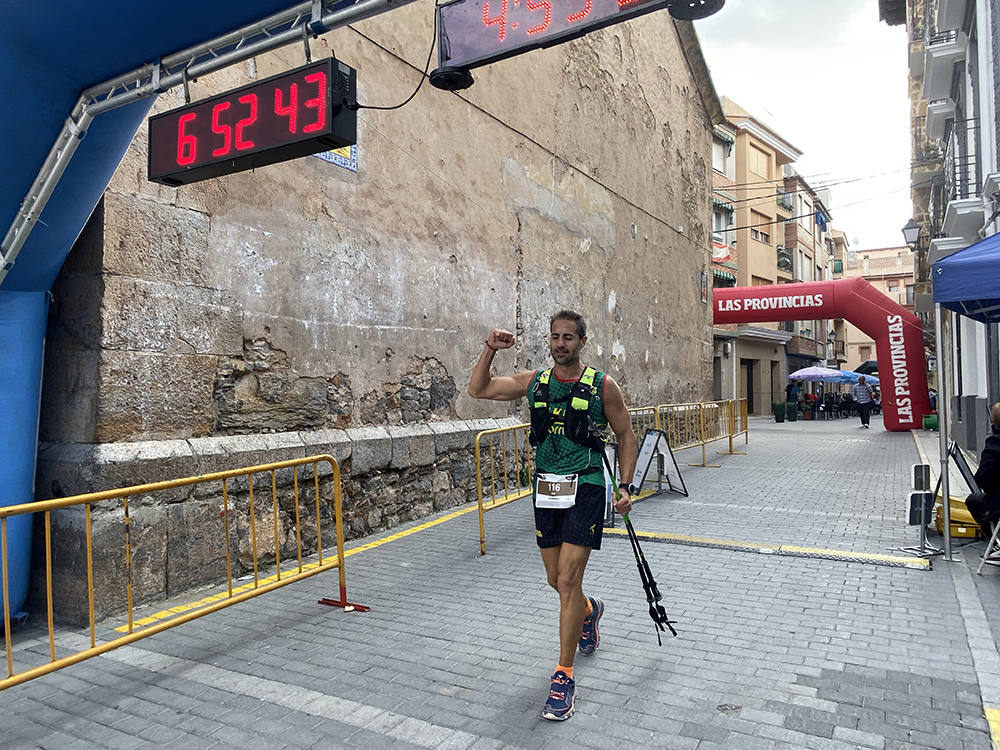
(500, 339)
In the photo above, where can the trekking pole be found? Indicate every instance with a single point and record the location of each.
(656, 611)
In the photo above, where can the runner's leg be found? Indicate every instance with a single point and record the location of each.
(572, 603)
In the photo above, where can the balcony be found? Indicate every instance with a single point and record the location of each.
(950, 14)
(785, 203)
(939, 112)
(964, 213)
(944, 50)
(942, 247)
(784, 259)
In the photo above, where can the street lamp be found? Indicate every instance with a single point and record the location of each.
(911, 234)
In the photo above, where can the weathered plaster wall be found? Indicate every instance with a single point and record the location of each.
(304, 297)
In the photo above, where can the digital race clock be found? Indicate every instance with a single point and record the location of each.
(476, 32)
(301, 112)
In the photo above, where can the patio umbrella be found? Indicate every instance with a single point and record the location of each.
(853, 377)
(821, 375)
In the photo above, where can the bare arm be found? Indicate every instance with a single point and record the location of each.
(483, 384)
(621, 424)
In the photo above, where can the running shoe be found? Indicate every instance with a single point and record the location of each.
(562, 698)
(590, 639)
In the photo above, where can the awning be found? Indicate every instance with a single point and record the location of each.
(968, 281)
(724, 275)
(719, 203)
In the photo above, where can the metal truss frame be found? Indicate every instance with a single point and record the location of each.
(296, 24)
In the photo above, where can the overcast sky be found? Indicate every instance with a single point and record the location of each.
(832, 80)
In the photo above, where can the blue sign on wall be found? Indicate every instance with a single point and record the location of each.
(346, 157)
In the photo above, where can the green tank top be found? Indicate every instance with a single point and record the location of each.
(557, 454)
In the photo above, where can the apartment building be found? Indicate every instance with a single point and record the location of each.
(748, 178)
(806, 255)
(888, 269)
(954, 70)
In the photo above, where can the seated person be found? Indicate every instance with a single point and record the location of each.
(846, 403)
(985, 504)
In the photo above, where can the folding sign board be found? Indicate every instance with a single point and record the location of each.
(921, 504)
(656, 445)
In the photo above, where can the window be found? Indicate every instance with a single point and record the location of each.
(838, 265)
(720, 152)
(893, 286)
(758, 281)
(759, 162)
(865, 352)
(760, 228)
(909, 294)
(805, 213)
(721, 218)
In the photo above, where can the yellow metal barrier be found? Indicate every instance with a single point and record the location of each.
(507, 473)
(644, 418)
(121, 498)
(509, 470)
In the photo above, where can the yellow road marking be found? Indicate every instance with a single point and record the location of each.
(993, 719)
(788, 549)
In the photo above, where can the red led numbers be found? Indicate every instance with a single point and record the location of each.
(540, 5)
(583, 13)
(318, 102)
(287, 115)
(187, 144)
(287, 110)
(242, 144)
(221, 128)
(498, 20)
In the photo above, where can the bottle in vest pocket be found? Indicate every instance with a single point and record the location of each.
(555, 491)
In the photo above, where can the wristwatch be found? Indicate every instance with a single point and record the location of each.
(631, 489)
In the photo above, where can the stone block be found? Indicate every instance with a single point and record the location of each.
(219, 454)
(412, 445)
(452, 435)
(334, 443)
(147, 543)
(150, 240)
(146, 395)
(72, 469)
(371, 449)
(170, 316)
(69, 395)
(196, 545)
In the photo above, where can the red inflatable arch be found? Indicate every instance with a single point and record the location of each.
(898, 334)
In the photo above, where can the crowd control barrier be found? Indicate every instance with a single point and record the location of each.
(120, 500)
(504, 469)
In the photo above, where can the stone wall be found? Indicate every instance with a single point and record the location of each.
(389, 475)
(304, 297)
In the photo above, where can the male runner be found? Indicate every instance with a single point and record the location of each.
(566, 535)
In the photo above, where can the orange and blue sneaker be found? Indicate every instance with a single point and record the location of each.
(562, 698)
(590, 639)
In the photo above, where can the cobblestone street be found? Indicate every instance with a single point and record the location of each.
(774, 650)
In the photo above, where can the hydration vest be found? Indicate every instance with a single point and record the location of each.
(580, 426)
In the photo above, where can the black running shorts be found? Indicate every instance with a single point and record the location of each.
(582, 524)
